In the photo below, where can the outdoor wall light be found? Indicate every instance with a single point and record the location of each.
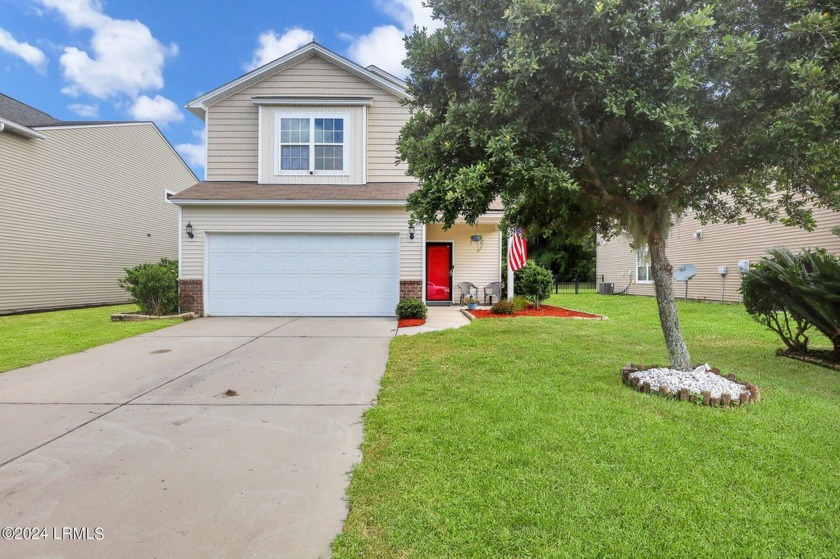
(190, 233)
(411, 231)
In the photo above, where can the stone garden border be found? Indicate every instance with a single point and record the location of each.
(134, 317)
(705, 397)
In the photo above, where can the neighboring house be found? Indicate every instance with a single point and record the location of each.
(710, 248)
(303, 208)
(81, 202)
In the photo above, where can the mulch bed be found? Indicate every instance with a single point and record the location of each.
(409, 322)
(544, 310)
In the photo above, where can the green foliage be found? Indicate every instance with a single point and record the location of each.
(805, 286)
(568, 258)
(534, 282)
(624, 115)
(759, 288)
(153, 286)
(503, 307)
(520, 302)
(411, 308)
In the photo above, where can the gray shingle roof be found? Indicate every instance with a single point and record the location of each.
(19, 113)
(251, 191)
(218, 191)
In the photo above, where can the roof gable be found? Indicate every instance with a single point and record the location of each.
(377, 77)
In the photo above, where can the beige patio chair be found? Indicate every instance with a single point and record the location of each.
(467, 288)
(493, 291)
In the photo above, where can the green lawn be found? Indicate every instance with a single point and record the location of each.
(515, 438)
(31, 338)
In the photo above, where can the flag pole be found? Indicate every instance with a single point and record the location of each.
(509, 271)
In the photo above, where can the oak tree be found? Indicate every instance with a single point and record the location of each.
(624, 115)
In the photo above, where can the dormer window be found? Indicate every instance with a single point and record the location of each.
(312, 144)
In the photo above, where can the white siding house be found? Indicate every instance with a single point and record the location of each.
(81, 202)
(302, 153)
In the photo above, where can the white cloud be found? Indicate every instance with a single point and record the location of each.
(194, 154)
(410, 13)
(124, 57)
(87, 111)
(383, 46)
(273, 46)
(31, 55)
(159, 109)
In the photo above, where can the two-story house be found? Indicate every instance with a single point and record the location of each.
(302, 211)
(81, 201)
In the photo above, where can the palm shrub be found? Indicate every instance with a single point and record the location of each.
(759, 288)
(153, 286)
(805, 286)
(534, 282)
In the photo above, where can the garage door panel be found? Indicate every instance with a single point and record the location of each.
(291, 274)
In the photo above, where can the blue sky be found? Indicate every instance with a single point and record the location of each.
(144, 59)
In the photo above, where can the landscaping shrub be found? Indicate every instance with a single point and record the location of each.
(805, 286)
(153, 287)
(411, 308)
(759, 288)
(520, 302)
(503, 307)
(534, 282)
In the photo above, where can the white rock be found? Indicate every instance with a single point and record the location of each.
(696, 381)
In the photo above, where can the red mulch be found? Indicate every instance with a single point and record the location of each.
(545, 310)
(409, 322)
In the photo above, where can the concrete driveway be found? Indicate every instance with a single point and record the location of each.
(137, 445)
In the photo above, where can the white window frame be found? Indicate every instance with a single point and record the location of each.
(643, 260)
(345, 172)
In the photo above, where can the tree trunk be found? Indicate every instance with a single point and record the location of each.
(669, 319)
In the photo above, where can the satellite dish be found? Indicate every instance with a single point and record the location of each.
(685, 272)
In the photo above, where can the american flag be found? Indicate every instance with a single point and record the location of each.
(517, 250)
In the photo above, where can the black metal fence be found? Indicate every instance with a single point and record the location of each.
(575, 287)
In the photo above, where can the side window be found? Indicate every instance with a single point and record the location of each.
(643, 265)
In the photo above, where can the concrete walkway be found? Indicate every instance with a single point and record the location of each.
(438, 318)
(141, 439)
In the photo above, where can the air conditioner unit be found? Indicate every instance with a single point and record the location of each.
(606, 288)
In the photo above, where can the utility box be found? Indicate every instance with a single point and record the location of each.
(743, 266)
(606, 288)
(722, 270)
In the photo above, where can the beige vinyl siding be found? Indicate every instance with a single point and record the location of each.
(471, 264)
(353, 144)
(721, 245)
(233, 127)
(79, 207)
(266, 219)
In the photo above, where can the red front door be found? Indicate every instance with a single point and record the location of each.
(438, 271)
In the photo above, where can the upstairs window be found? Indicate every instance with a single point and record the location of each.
(312, 145)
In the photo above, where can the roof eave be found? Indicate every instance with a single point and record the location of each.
(310, 202)
(14, 127)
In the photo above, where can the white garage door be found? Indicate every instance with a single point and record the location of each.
(302, 275)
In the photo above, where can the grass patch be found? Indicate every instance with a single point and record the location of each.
(516, 438)
(31, 338)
